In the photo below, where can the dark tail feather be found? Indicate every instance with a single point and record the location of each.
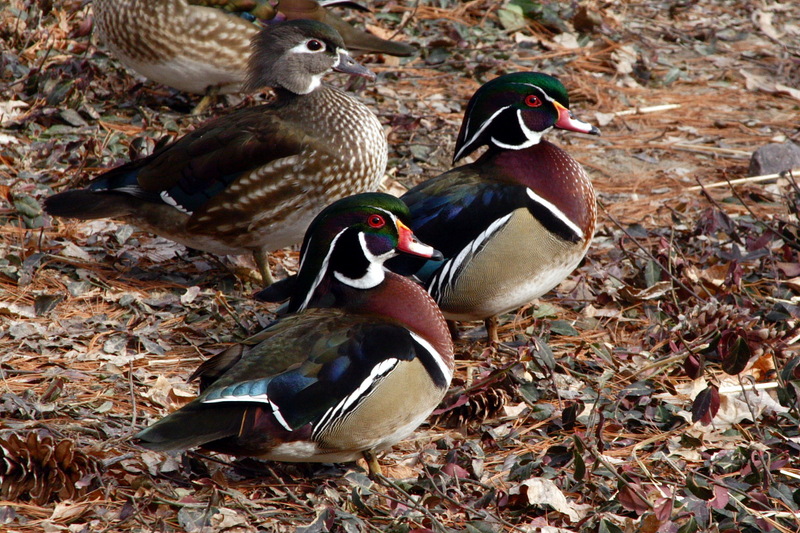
(212, 369)
(279, 291)
(361, 41)
(87, 205)
(192, 426)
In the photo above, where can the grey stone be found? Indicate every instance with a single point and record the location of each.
(774, 158)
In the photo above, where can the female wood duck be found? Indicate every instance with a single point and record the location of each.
(252, 180)
(364, 360)
(513, 224)
(193, 48)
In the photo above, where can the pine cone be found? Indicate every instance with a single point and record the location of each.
(469, 406)
(705, 324)
(33, 467)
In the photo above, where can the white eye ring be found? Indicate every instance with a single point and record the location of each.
(315, 45)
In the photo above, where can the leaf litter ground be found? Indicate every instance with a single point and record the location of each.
(655, 390)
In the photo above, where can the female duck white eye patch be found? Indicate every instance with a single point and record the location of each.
(308, 47)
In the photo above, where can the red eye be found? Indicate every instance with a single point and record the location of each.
(533, 101)
(376, 221)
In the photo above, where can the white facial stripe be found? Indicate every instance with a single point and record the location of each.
(169, 200)
(555, 211)
(256, 398)
(389, 213)
(378, 371)
(446, 372)
(480, 130)
(302, 48)
(541, 91)
(534, 136)
(375, 273)
(321, 272)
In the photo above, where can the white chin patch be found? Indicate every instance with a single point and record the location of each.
(531, 137)
(373, 277)
(316, 81)
(375, 273)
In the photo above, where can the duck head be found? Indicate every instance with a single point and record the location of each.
(514, 111)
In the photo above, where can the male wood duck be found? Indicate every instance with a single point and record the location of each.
(362, 362)
(194, 48)
(513, 224)
(252, 180)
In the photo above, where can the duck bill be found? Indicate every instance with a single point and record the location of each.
(348, 65)
(567, 122)
(408, 243)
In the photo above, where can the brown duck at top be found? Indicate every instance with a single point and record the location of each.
(195, 48)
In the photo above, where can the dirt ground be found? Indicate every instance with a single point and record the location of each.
(654, 390)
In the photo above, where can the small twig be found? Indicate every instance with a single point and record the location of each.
(766, 515)
(134, 411)
(390, 484)
(751, 179)
(733, 389)
(766, 226)
(694, 148)
(477, 512)
(659, 364)
(648, 109)
(600, 459)
(646, 251)
(703, 149)
(747, 402)
(647, 442)
(220, 299)
(114, 460)
(407, 16)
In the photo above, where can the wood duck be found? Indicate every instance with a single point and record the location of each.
(517, 221)
(252, 180)
(194, 48)
(362, 362)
